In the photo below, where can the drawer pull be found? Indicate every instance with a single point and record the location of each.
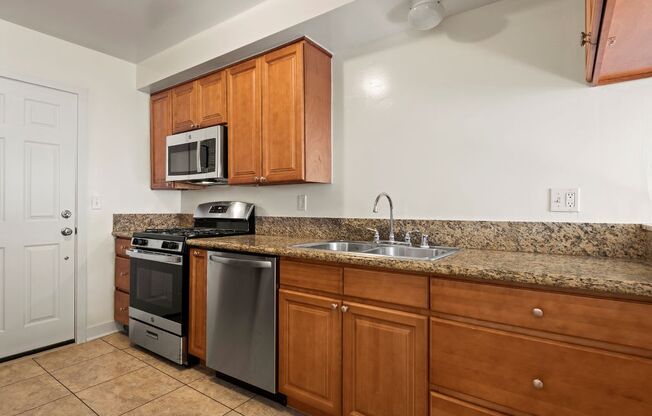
(123, 309)
(537, 312)
(123, 274)
(538, 384)
(151, 334)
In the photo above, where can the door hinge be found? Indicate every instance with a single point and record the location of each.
(586, 38)
(75, 230)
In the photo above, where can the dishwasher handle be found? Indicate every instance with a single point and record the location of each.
(257, 264)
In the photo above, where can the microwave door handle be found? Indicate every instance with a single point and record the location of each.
(198, 153)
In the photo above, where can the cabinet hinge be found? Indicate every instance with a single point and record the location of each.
(586, 38)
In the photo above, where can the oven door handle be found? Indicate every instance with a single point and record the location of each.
(160, 258)
(257, 264)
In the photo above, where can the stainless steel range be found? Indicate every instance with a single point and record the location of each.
(158, 299)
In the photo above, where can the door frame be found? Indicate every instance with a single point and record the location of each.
(81, 192)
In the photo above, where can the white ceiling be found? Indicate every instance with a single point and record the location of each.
(128, 29)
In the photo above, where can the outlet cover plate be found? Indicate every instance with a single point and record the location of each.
(565, 199)
(302, 202)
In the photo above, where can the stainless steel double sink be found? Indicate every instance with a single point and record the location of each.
(382, 249)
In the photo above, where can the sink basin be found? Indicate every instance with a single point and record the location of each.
(384, 250)
(349, 246)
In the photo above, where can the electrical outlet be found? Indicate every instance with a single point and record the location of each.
(565, 199)
(302, 202)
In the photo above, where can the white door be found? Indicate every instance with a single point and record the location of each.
(38, 152)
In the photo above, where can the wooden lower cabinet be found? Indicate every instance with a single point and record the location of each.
(197, 304)
(121, 307)
(310, 352)
(537, 376)
(441, 405)
(385, 362)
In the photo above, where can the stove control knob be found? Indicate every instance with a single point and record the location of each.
(139, 242)
(170, 245)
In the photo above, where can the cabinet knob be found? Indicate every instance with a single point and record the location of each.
(123, 274)
(257, 179)
(334, 305)
(537, 312)
(263, 179)
(195, 253)
(123, 309)
(344, 308)
(123, 247)
(538, 384)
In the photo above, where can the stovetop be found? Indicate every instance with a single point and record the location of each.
(195, 232)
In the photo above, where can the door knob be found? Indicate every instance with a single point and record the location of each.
(66, 231)
(66, 213)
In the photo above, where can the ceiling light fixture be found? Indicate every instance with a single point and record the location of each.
(426, 14)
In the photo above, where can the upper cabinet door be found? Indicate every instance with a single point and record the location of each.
(184, 102)
(160, 128)
(211, 100)
(244, 109)
(283, 115)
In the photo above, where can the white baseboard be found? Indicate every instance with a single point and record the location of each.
(100, 330)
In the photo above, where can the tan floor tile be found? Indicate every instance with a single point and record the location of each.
(29, 394)
(128, 392)
(233, 413)
(183, 374)
(141, 353)
(222, 391)
(18, 370)
(72, 355)
(259, 406)
(118, 340)
(182, 402)
(68, 406)
(97, 370)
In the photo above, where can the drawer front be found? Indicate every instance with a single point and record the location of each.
(121, 307)
(441, 405)
(398, 288)
(311, 276)
(535, 375)
(618, 322)
(122, 274)
(121, 246)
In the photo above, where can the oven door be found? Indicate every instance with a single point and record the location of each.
(157, 289)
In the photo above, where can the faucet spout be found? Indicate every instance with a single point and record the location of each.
(391, 213)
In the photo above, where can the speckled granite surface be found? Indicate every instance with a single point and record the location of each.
(125, 224)
(578, 239)
(606, 276)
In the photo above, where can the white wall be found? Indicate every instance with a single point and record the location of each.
(477, 119)
(118, 144)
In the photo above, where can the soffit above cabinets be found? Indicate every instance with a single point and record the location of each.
(127, 29)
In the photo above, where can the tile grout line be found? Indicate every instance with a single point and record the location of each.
(79, 362)
(64, 386)
(223, 404)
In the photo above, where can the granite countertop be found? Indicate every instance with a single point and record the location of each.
(592, 275)
(123, 234)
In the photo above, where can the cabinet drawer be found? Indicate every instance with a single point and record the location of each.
(122, 274)
(537, 376)
(311, 276)
(121, 307)
(398, 288)
(121, 246)
(619, 322)
(441, 405)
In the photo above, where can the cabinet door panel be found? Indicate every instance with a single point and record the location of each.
(283, 115)
(121, 307)
(244, 107)
(122, 273)
(184, 102)
(310, 351)
(197, 304)
(160, 128)
(385, 362)
(211, 100)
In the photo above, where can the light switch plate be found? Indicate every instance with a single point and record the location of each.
(302, 202)
(565, 199)
(96, 202)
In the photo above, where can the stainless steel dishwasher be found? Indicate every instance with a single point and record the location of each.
(241, 318)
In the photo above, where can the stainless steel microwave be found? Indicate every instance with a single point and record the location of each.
(197, 156)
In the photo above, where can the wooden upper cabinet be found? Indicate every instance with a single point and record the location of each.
(184, 103)
(283, 118)
(310, 352)
(211, 100)
(280, 117)
(620, 35)
(200, 103)
(197, 304)
(244, 107)
(385, 362)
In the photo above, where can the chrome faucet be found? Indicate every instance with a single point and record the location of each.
(391, 213)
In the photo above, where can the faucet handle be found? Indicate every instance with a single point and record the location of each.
(408, 237)
(376, 234)
(424, 241)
